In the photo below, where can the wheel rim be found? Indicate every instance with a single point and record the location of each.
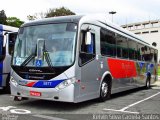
(148, 83)
(104, 89)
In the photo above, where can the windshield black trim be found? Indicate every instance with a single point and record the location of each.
(38, 73)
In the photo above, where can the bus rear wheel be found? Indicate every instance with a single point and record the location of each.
(148, 82)
(105, 90)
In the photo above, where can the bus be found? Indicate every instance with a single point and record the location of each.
(7, 38)
(79, 58)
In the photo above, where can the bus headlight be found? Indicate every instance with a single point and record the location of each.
(14, 82)
(65, 83)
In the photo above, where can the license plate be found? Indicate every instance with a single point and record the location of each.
(34, 93)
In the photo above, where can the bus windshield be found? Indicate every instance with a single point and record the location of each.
(45, 45)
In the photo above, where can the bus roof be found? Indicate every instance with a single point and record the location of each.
(92, 19)
(101, 19)
(9, 28)
(71, 18)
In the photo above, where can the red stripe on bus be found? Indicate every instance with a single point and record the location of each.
(122, 68)
(30, 84)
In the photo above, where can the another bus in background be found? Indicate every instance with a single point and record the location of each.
(8, 36)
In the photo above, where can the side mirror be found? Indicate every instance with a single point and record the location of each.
(154, 44)
(88, 38)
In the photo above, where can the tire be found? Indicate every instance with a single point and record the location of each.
(105, 90)
(18, 98)
(148, 82)
(7, 87)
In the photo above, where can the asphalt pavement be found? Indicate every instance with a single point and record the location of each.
(137, 103)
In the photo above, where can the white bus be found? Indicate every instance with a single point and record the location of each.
(7, 38)
(78, 58)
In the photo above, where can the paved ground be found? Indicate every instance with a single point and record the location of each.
(134, 102)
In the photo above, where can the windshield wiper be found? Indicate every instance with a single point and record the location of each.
(29, 58)
(46, 55)
(48, 59)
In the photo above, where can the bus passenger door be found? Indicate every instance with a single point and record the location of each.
(87, 61)
(10, 40)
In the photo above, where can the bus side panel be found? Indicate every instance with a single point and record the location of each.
(124, 74)
(141, 71)
(122, 68)
(6, 68)
(144, 68)
(155, 72)
(151, 68)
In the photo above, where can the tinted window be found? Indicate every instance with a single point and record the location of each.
(89, 49)
(140, 52)
(122, 46)
(152, 55)
(132, 47)
(146, 54)
(12, 38)
(2, 49)
(87, 52)
(108, 43)
(1, 45)
(155, 56)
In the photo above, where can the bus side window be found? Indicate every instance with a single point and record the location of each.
(122, 46)
(132, 47)
(11, 39)
(1, 45)
(87, 52)
(2, 49)
(140, 52)
(152, 55)
(155, 55)
(107, 42)
(147, 54)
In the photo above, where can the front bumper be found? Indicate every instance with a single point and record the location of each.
(65, 95)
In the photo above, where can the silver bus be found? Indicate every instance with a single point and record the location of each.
(7, 38)
(78, 58)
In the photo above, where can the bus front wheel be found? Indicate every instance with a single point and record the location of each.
(7, 87)
(105, 90)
